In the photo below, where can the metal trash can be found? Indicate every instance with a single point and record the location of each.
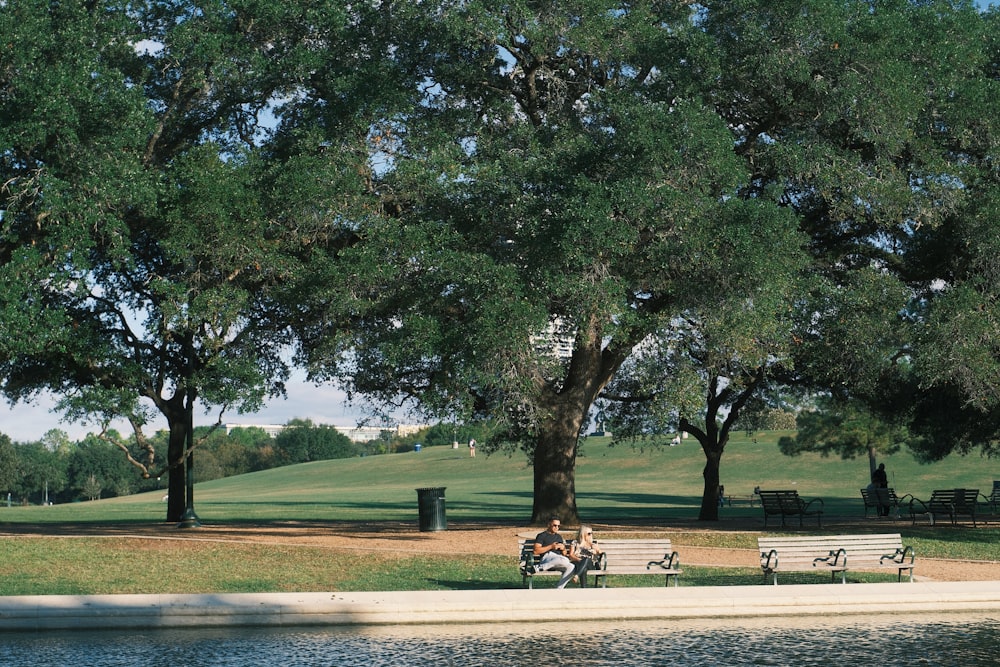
(430, 503)
(417, 446)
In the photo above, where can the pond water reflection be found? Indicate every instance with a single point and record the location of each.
(912, 640)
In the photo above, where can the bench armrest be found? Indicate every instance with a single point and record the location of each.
(900, 556)
(917, 506)
(835, 555)
(769, 559)
(810, 504)
(527, 561)
(669, 562)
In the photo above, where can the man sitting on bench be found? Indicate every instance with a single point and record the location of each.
(553, 552)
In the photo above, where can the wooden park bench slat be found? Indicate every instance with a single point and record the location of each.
(952, 503)
(788, 503)
(836, 554)
(627, 556)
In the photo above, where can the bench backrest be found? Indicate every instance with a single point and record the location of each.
(775, 502)
(634, 553)
(959, 499)
(859, 548)
(995, 496)
(879, 496)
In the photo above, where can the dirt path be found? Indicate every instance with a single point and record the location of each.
(464, 538)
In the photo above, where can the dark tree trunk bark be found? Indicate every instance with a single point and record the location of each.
(177, 423)
(710, 497)
(555, 474)
(566, 408)
(714, 437)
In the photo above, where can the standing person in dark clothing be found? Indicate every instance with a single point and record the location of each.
(881, 481)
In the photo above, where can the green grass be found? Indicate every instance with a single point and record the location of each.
(96, 565)
(613, 484)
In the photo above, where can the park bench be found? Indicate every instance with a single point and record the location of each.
(994, 498)
(633, 556)
(989, 509)
(788, 503)
(874, 498)
(952, 503)
(835, 553)
(750, 499)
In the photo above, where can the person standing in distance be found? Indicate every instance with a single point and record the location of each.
(881, 481)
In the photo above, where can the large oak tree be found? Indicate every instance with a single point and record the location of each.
(148, 211)
(593, 191)
(559, 193)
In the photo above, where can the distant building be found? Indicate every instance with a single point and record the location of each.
(354, 433)
(271, 429)
(557, 340)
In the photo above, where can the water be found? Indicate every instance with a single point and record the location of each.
(960, 639)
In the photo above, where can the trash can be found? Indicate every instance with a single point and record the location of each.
(431, 506)
(417, 446)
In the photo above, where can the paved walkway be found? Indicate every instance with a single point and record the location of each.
(58, 612)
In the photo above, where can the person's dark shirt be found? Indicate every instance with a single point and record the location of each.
(545, 538)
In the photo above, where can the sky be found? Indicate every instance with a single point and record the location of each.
(323, 404)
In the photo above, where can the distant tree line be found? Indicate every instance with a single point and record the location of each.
(56, 469)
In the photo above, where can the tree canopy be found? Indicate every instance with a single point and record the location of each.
(503, 212)
(679, 208)
(145, 227)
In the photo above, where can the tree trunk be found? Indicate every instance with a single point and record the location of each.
(710, 497)
(177, 477)
(178, 424)
(555, 473)
(591, 367)
(713, 443)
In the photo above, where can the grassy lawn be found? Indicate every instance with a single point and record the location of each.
(614, 485)
(83, 566)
